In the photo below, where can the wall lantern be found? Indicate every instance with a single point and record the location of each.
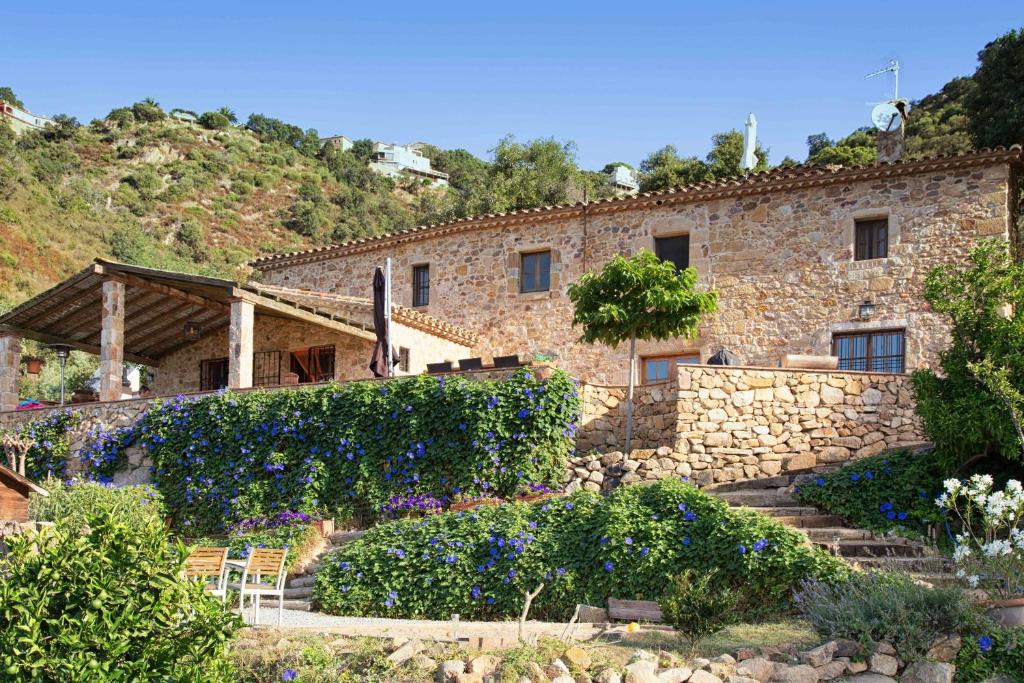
(866, 311)
(192, 331)
(33, 365)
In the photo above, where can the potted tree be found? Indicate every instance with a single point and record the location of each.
(989, 553)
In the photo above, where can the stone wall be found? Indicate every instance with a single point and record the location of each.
(781, 258)
(744, 423)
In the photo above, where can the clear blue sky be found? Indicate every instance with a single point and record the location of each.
(621, 79)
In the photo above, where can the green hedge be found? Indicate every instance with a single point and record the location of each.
(343, 448)
(73, 503)
(584, 547)
(891, 492)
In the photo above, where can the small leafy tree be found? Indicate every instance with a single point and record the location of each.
(634, 298)
(976, 406)
(698, 607)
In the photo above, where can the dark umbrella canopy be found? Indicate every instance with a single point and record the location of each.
(378, 362)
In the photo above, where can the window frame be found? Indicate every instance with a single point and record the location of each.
(665, 238)
(875, 245)
(537, 285)
(206, 375)
(869, 356)
(673, 370)
(420, 290)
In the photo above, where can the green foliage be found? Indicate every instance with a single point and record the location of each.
(7, 95)
(78, 370)
(75, 503)
(49, 452)
(214, 120)
(890, 492)
(870, 607)
(147, 111)
(984, 302)
(110, 605)
(338, 449)
(299, 539)
(271, 129)
(1003, 654)
(536, 173)
(665, 168)
(697, 607)
(996, 103)
(938, 123)
(309, 212)
(642, 297)
(584, 547)
(856, 149)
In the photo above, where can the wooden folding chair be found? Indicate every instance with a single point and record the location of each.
(206, 564)
(262, 563)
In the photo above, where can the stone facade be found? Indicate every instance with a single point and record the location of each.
(719, 424)
(10, 364)
(779, 253)
(112, 341)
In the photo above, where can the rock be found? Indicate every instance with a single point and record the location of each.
(701, 676)
(699, 663)
(928, 672)
(868, 678)
(679, 674)
(885, 648)
(758, 668)
(887, 665)
(558, 668)
(780, 653)
(424, 662)
(721, 669)
(642, 671)
(578, 657)
(483, 664)
(741, 679)
(563, 679)
(450, 670)
(833, 669)
(536, 673)
(405, 652)
(856, 667)
(642, 655)
(469, 677)
(819, 656)
(725, 659)
(608, 676)
(524, 679)
(831, 395)
(801, 673)
(847, 648)
(745, 653)
(946, 648)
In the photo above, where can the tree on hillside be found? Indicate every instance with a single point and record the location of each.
(536, 173)
(665, 168)
(856, 149)
(726, 156)
(634, 298)
(817, 143)
(996, 103)
(268, 129)
(939, 123)
(7, 95)
(229, 114)
(147, 110)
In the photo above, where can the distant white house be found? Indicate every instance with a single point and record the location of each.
(22, 119)
(395, 160)
(182, 115)
(340, 141)
(624, 179)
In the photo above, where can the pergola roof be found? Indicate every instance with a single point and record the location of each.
(157, 305)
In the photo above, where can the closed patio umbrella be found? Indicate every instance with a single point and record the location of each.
(378, 363)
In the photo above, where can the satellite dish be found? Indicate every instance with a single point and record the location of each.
(886, 117)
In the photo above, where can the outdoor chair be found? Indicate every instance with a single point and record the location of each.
(470, 364)
(507, 361)
(434, 368)
(209, 564)
(262, 563)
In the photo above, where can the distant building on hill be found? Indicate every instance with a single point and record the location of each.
(404, 160)
(22, 119)
(623, 179)
(340, 141)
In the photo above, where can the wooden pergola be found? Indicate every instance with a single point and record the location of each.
(123, 312)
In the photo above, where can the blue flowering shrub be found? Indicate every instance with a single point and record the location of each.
(890, 492)
(49, 452)
(341, 448)
(584, 548)
(292, 530)
(989, 652)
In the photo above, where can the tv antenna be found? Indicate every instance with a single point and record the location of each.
(892, 67)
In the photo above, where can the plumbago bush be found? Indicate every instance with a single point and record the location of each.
(891, 492)
(340, 448)
(101, 454)
(583, 547)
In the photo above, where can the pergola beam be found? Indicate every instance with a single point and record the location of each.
(88, 348)
(291, 311)
(172, 292)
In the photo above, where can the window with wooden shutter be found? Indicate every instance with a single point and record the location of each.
(872, 239)
(535, 272)
(675, 249)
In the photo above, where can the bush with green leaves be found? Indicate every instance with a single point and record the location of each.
(49, 452)
(989, 652)
(889, 492)
(698, 606)
(214, 120)
(875, 606)
(108, 605)
(585, 548)
(290, 530)
(74, 502)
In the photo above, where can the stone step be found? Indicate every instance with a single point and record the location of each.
(786, 511)
(302, 581)
(830, 534)
(298, 592)
(777, 482)
(912, 565)
(811, 521)
(759, 498)
(936, 579)
(300, 605)
(874, 549)
(346, 536)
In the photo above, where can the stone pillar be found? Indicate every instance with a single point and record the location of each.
(112, 341)
(10, 365)
(240, 345)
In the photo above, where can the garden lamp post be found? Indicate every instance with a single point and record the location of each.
(62, 351)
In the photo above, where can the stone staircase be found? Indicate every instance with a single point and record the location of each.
(298, 592)
(776, 497)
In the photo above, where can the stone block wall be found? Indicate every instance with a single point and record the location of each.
(718, 424)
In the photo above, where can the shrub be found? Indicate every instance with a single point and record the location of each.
(337, 449)
(990, 652)
(110, 605)
(875, 606)
(49, 452)
(214, 120)
(293, 531)
(585, 548)
(697, 607)
(891, 492)
(122, 116)
(147, 110)
(73, 503)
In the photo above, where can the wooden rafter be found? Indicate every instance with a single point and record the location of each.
(172, 292)
(88, 348)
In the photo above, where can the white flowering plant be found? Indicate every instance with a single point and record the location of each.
(989, 550)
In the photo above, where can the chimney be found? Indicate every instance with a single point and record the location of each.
(890, 143)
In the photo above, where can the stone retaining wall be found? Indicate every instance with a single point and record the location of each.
(719, 424)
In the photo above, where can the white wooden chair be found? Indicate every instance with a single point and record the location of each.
(261, 564)
(210, 565)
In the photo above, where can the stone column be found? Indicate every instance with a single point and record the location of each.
(10, 365)
(240, 345)
(112, 341)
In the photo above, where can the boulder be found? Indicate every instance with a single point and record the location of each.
(578, 657)
(758, 668)
(424, 662)
(945, 648)
(928, 672)
(406, 651)
(831, 670)
(450, 670)
(801, 673)
(887, 665)
(536, 673)
(819, 656)
(470, 677)
(678, 674)
(563, 679)
(642, 671)
(483, 664)
(885, 648)
(701, 676)
(608, 676)
(847, 648)
(745, 653)
(721, 669)
(869, 678)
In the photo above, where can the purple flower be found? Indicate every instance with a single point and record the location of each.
(854, 477)
(569, 506)
(985, 643)
(686, 541)
(819, 481)
(608, 566)
(743, 549)
(289, 675)
(628, 540)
